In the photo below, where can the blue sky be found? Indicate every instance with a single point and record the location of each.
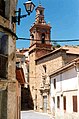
(63, 16)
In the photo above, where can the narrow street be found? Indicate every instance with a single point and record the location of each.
(34, 115)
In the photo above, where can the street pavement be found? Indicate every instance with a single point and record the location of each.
(34, 115)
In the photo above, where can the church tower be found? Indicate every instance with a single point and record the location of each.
(40, 34)
(39, 46)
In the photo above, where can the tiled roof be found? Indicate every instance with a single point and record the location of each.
(71, 49)
(68, 49)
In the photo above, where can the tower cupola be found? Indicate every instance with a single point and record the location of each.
(40, 34)
(40, 14)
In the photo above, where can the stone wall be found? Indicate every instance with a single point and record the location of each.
(9, 92)
(3, 104)
(51, 65)
(32, 75)
(52, 62)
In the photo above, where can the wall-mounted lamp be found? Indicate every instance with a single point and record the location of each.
(29, 6)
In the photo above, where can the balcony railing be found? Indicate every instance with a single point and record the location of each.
(3, 66)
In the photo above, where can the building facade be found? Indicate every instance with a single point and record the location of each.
(22, 75)
(44, 66)
(39, 46)
(64, 91)
(9, 90)
(43, 60)
(22, 61)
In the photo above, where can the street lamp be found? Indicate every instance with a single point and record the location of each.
(29, 6)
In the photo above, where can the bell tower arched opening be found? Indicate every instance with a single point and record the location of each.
(43, 38)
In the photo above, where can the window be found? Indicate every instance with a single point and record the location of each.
(44, 66)
(36, 101)
(3, 103)
(53, 102)
(2, 8)
(58, 102)
(64, 102)
(74, 103)
(41, 12)
(18, 65)
(32, 36)
(45, 103)
(3, 55)
(54, 83)
(44, 81)
(43, 38)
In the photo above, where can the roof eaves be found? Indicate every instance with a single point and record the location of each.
(54, 51)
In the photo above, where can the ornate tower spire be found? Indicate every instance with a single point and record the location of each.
(40, 34)
(40, 14)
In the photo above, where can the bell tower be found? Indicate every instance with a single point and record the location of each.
(39, 46)
(40, 34)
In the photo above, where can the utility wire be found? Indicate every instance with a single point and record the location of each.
(66, 40)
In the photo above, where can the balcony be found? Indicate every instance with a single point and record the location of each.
(3, 66)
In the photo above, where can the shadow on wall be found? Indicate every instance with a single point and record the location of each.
(26, 99)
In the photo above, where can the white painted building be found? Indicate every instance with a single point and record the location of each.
(64, 92)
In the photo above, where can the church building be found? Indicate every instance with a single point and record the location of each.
(43, 60)
(39, 46)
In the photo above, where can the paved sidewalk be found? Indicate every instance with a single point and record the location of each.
(34, 115)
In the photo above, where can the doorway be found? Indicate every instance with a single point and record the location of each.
(45, 104)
